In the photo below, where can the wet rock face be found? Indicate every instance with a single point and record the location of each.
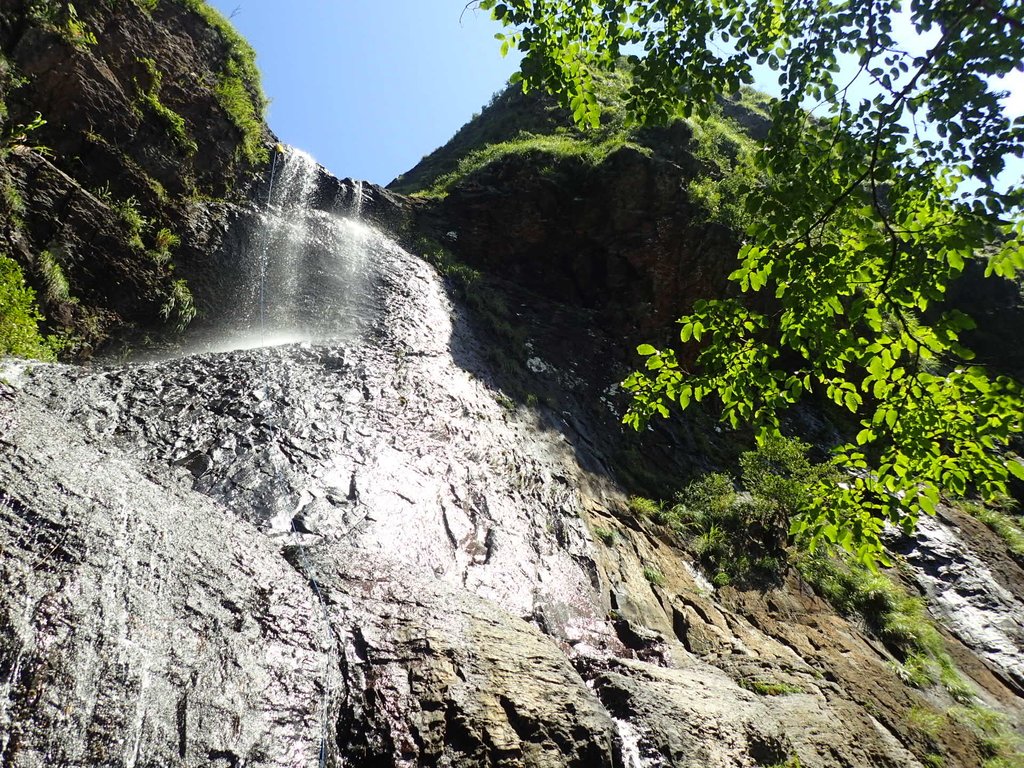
(385, 442)
(359, 547)
(354, 547)
(141, 624)
(364, 444)
(975, 587)
(108, 656)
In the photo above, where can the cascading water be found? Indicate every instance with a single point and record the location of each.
(307, 275)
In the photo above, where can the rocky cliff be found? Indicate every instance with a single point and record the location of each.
(404, 535)
(609, 221)
(127, 130)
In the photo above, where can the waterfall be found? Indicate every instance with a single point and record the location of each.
(308, 275)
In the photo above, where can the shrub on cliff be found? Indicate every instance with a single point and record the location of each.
(743, 535)
(19, 317)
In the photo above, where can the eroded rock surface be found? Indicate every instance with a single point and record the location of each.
(142, 624)
(973, 586)
(434, 676)
(388, 496)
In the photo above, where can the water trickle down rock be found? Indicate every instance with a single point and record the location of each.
(141, 623)
(974, 602)
(306, 274)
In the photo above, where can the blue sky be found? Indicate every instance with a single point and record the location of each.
(369, 87)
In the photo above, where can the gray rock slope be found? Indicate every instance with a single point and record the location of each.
(355, 551)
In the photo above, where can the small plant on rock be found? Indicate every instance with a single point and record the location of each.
(605, 535)
(179, 305)
(56, 288)
(20, 318)
(646, 508)
(1003, 519)
(128, 210)
(163, 241)
(654, 576)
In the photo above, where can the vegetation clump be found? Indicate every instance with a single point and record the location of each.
(1001, 519)
(654, 577)
(55, 282)
(720, 150)
(12, 201)
(9, 80)
(605, 535)
(726, 156)
(163, 241)
(644, 507)
(742, 536)
(558, 147)
(899, 620)
(245, 111)
(1001, 745)
(62, 18)
(20, 317)
(238, 86)
(149, 97)
(128, 211)
(179, 307)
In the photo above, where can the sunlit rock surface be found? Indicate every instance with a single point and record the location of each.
(974, 587)
(353, 548)
(140, 622)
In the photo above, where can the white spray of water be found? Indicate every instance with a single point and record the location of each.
(299, 180)
(310, 275)
(357, 204)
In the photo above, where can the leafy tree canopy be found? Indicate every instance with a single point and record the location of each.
(865, 208)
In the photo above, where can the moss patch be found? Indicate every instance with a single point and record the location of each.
(1008, 526)
(770, 687)
(149, 99)
(539, 149)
